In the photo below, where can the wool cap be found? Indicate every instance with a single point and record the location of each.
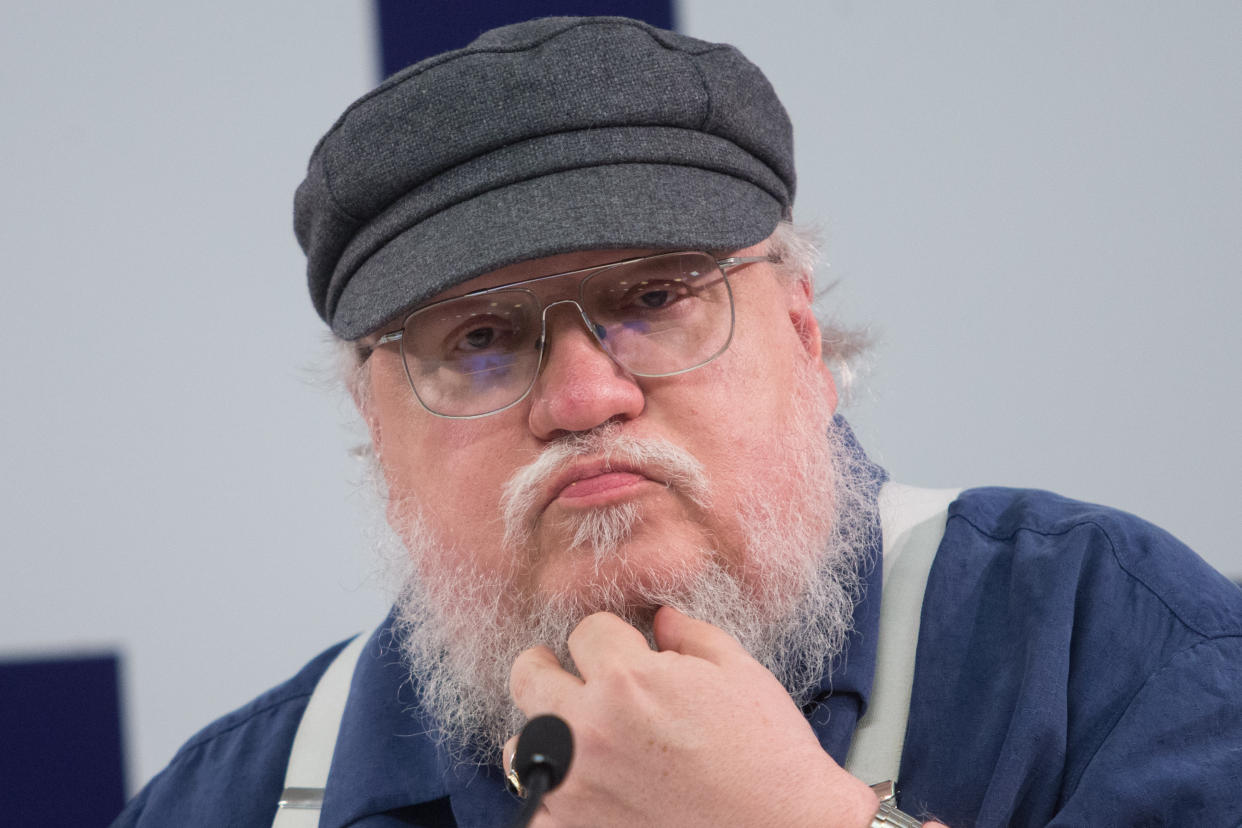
(550, 136)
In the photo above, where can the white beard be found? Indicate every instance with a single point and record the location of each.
(460, 631)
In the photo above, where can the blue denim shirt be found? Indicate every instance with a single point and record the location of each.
(1075, 666)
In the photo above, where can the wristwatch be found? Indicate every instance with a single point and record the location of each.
(889, 814)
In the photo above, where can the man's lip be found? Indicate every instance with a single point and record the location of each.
(596, 477)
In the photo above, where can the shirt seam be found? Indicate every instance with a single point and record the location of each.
(1072, 787)
(195, 744)
(1116, 555)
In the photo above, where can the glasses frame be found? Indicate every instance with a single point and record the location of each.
(725, 265)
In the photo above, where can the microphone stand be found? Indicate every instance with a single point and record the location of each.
(539, 784)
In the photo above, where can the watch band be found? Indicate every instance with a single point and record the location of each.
(889, 814)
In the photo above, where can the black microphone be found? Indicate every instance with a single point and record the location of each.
(545, 749)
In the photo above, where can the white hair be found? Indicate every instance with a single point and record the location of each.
(845, 348)
(460, 626)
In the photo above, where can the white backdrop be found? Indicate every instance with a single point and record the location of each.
(1036, 210)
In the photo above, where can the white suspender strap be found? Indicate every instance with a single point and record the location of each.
(311, 756)
(912, 525)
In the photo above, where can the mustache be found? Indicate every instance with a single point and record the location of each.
(656, 457)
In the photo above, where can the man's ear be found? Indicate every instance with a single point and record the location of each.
(802, 316)
(806, 326)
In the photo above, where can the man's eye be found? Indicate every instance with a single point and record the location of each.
(654, 296)
(479, 338)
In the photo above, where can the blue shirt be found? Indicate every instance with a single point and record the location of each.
(1075, 666)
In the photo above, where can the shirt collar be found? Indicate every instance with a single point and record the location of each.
(387, 755)
(845, 689)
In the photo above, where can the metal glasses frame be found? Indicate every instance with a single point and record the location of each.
(725, 266)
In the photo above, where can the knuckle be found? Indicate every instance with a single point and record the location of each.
(589, 626)
(596, 621)
(602, 623)
(521, 674)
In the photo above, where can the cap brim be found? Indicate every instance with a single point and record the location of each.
(650, 206)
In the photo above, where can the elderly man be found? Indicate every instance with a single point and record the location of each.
(579, 329)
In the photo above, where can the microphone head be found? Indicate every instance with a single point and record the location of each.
(546, 743)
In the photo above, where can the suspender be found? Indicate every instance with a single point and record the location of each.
(313, 744)
(912, 523)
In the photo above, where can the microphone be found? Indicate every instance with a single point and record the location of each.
(545, 749)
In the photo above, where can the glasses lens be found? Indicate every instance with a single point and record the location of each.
(473, 355)
(661, 315)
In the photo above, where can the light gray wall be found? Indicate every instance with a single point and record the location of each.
(175, 481)
(1035, 207)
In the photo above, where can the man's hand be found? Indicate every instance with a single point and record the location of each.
(698, 733)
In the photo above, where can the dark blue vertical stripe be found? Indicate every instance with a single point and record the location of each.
(60, 743)
(411, 30)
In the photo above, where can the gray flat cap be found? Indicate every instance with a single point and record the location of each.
(544, 137)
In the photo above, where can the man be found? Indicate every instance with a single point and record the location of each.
(580, 333)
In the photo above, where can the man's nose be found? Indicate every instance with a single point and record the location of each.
(579, 386)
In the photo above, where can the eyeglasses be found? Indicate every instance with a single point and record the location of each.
(655, 316)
